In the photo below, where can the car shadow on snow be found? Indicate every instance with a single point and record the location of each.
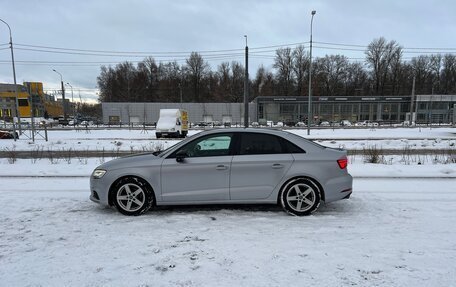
(339, 208)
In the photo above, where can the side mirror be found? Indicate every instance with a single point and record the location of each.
(181, 155)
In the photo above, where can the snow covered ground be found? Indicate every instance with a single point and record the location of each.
(392, 232)
(140, 140)
(395, 230)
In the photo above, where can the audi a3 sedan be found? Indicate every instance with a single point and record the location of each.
(227, 166)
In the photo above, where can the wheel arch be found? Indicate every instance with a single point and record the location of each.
(115, 182)
(300, 177)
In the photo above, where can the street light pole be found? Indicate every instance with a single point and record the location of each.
(246, 85)
(63, 96)
(309, 108)
(72, 99)
(14, 76)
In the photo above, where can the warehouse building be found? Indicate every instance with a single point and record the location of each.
(138, 113)
(290, 110)
(387, 109)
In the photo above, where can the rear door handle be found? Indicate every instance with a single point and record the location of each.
(277, 165)
(221, 167)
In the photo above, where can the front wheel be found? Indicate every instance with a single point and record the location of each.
(133, 196)
(300, 197)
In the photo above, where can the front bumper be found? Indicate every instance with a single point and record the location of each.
(99, 191)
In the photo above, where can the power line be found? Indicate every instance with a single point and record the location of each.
(366, 46)
(265, 52)
(217, 55)
(123, 52)
(40, 48)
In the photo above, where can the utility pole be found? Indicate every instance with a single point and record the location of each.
(18, 115)
(309, 103)
(63, 96)
(80, 101)
(72, 101)
(412, 101)
(246, 85)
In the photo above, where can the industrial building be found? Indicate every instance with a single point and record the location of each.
(32, 101)
(386, 109)
(391, 109)
(138, 113)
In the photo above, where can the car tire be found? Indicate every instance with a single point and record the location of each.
(132, 196)
(300, 197)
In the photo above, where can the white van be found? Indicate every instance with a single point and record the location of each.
(172, 123)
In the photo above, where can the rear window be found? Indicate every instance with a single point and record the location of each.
(257, 143)
(291, 147)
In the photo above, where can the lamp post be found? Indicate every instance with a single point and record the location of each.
(63, 96)
(309, 108)
(72, 99)
(14, 76)
(246, 85)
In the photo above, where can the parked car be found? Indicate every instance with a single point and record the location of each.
(300, 124)
(227, 166)
(372, 124)
(345, 123)
(366, 124)
(279, 125)
(325, 124)
(8, 134)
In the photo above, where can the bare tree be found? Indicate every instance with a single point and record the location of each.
(283, 62)
(449, 73)
(355, 80)
(333, 70)
(300, 66)
(197, 69)
(379, 56)
(237, 82)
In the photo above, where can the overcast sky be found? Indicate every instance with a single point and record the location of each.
(203, 25)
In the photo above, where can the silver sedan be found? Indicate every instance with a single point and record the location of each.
(227, 166)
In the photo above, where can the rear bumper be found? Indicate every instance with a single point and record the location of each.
(339, 188)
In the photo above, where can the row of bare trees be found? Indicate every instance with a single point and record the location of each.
(383, 72)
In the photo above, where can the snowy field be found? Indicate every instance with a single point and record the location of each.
(395, 230)
(140, 140)
(392, 232)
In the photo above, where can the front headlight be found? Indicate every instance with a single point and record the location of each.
(98, 173)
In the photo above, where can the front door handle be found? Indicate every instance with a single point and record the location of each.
(277, 165)
(221, 167)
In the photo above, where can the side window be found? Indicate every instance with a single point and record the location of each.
(213, 145)
(255, 143)
(291, 147)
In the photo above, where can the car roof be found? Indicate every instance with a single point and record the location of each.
(254, 130)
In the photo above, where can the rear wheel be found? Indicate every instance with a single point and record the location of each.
(133, 196)
(300, 197)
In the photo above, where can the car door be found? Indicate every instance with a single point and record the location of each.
(258, 167)
(204, 173)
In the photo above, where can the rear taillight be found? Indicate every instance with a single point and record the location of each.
(343, 162)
